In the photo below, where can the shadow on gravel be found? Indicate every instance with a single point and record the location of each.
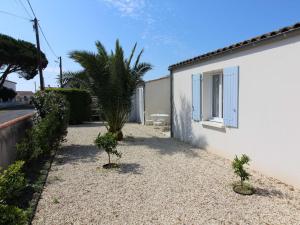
(133, 168)
(165, 146)
(269, 193)
(89, 124)
(75, 153)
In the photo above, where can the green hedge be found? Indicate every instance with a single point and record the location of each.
(80, 103)
(22, 182)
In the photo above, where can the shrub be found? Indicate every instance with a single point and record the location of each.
(238, 166)
(239, 170)
(80, 103)
(47, 102)
(12, 183)
(49, 129)
(11, 215)
(108, 142)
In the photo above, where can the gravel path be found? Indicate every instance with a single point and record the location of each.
(161, 181)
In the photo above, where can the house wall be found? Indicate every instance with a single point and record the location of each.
(269, 106)
(157, 97)
(137, 106)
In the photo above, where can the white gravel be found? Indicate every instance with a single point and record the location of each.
(161, 181)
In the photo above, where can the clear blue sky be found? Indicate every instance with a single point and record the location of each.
(168, 30)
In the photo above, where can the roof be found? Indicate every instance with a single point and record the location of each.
(160, 78)
(23, 93)
(236, 46)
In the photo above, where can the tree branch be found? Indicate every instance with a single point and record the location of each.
(5, 74)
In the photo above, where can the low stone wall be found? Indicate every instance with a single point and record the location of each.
(11, 133)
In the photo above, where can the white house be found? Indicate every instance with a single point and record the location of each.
(244, 98)
(151, 98)
(157, 99)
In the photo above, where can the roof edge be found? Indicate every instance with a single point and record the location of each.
(231, 48)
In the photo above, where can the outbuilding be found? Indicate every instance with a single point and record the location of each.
(243, 98)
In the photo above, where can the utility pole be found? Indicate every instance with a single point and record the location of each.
(36, 28)
(60, 72)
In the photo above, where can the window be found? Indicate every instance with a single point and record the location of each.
(217, 93)
(215, 96)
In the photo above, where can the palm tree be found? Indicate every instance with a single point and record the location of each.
(113, 79)
(78, 79)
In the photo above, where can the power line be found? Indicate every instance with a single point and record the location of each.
(31, 8)
(12, 14)
(51, 49)
(25, 9)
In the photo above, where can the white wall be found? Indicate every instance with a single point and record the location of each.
(157, 97)
(269, 109)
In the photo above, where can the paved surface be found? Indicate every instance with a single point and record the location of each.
(160, 181)
(10, 114)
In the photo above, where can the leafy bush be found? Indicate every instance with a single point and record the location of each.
(108, 142)
(47, 102)
(12, 183)
(11, 215)
(7, 93)
(50, 127)
(80, 103)
(238, 166)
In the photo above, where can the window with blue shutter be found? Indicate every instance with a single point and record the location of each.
(196, 97)
(230, 96)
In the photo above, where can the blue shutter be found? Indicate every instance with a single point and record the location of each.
(230, 96)
(196, 97)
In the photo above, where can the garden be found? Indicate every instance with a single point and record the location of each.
(70, 170)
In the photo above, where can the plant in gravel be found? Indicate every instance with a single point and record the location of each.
(55, 201)
(12, 183)
(108, 142)
(239, 170)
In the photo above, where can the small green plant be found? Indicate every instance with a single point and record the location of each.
(238, 166)
(11, 215)
(239, 170)
(55, 201)
(12, 183)
(108, 142)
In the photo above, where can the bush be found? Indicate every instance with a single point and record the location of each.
(108, 142)
(239, 170)
(49, 129)
(238, 166)
(80, 103)
(11, 215)
(12, 183)
(7, 93)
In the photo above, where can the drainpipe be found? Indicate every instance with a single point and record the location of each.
(171, 103)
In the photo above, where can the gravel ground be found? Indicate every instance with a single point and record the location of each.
(160, 181)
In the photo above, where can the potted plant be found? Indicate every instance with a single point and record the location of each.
(108, 142)
(238, 167)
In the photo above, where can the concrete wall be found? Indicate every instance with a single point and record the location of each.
(11, 133)
(157, 97)
(269, 106)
